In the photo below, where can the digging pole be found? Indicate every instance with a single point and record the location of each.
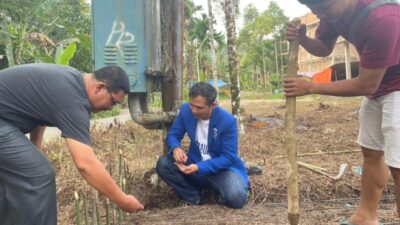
(290, 138)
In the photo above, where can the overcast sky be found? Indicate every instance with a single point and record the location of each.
(291, 8)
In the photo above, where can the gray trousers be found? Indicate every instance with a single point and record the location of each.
(27, 181)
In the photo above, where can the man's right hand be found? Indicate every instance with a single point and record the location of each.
(130, 204)
(96, 175)
(179, 155)
(294, 86)
(294, 31)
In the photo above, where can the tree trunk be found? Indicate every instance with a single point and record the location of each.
(212, 45)
(190, 63)
(229, 10)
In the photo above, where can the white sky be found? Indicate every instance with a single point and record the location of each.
(291, 8)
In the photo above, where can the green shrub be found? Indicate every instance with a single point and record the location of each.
(107, 113)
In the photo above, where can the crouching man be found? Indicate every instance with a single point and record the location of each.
(33, 96)
(212, 161)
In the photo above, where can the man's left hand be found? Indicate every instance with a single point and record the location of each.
(192, 168)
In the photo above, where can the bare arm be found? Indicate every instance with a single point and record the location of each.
(97, 176)
(36, 136)
(312, 45)
(366, 83)
(317, 47)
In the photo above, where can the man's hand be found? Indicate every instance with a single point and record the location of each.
(295, 31)
(97, 176)
(192, 168)
(130, 204)
(179, 155)
(297, 87)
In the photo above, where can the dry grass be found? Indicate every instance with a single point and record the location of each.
(325, 125)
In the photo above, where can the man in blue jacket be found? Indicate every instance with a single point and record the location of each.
(212, 160)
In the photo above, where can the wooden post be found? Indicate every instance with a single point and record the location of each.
(290, 138)
(347, 59)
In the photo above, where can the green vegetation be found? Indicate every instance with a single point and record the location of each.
(51, 31)
(108, 113)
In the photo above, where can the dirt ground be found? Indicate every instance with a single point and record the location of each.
(327, 130)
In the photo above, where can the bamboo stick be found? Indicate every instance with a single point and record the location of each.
(320, 153)
(94, 207)
(98, 209)
(290, 138)
(86, 210)
(319, 170)
(311, 166)
(78, 209)
(107, 211)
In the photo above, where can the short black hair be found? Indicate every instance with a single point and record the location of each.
(310, 2)
(115, 78)
(205, 90)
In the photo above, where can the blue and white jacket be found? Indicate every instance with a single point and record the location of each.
(222, 141)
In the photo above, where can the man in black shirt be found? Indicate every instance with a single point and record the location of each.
(33, 96)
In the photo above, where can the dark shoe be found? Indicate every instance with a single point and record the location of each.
(254, 170)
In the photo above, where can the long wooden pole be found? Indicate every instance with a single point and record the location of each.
(290, 138)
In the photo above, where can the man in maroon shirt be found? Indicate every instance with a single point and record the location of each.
(376, 37)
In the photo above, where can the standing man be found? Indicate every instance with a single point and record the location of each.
(212, 161)
(374, 30)
(36, 95)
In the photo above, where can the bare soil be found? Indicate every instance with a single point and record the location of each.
(326, 137)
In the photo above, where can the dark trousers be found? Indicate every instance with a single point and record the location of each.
(27, 181)
(228, 184)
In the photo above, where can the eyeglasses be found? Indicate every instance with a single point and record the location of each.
(113, 101)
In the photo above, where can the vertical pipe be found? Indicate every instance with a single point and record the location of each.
(153, 34)
(290, 138)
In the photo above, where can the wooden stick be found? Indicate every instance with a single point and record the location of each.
(86, 210)
(290, 138)
(316, 169)
(319, 153)
(77, 209)
(311, 166)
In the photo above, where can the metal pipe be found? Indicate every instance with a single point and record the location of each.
(147, 120)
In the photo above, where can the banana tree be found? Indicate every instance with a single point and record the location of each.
(62, 55)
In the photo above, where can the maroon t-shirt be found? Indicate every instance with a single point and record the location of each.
(377, 40)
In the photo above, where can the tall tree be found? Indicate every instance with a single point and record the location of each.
(212, 45)
(190, 43)
(229, 10)
(250, 13)
(256, 47)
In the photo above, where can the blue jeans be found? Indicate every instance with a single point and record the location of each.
(227, 184)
